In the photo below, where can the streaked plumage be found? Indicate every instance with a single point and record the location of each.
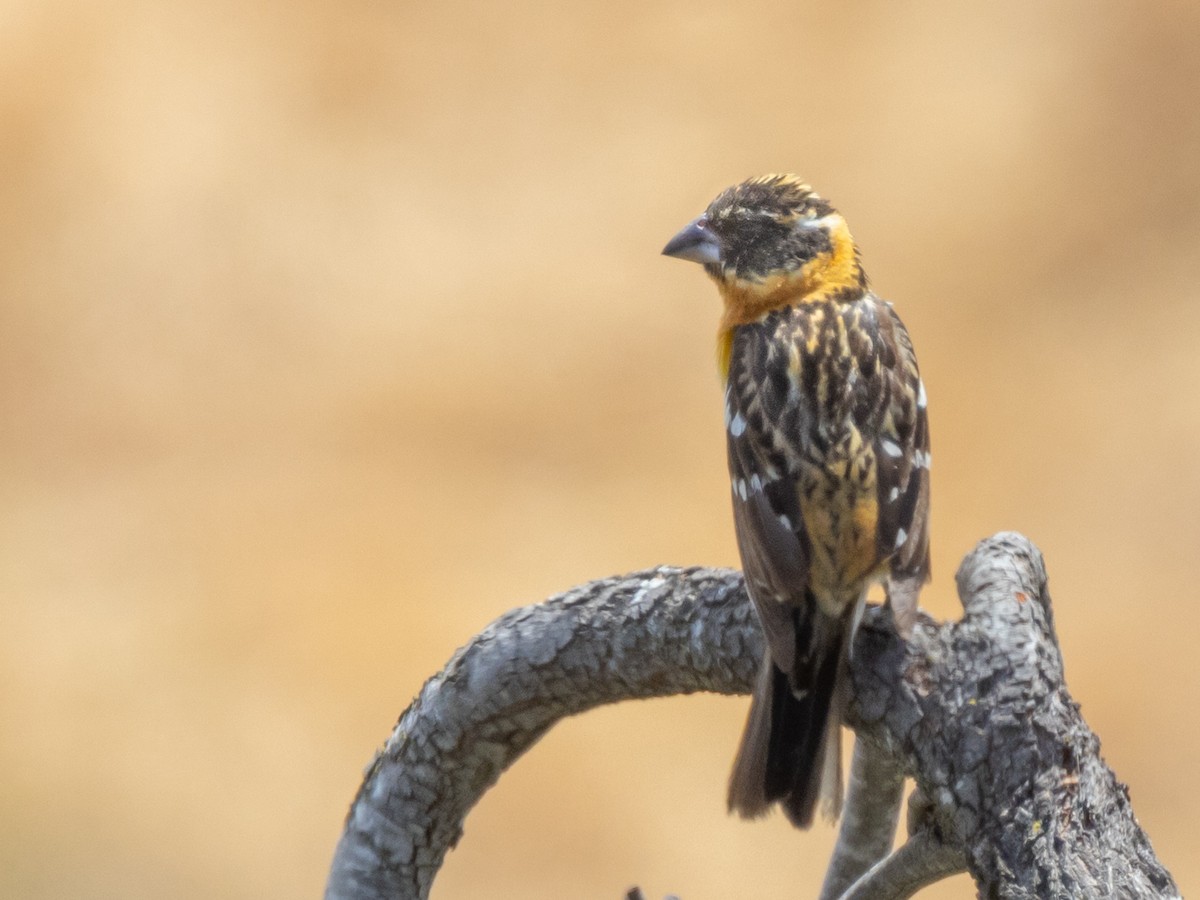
(829, 466)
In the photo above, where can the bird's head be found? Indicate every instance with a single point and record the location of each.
(771, 242)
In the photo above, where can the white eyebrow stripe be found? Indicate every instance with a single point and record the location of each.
(823, 222)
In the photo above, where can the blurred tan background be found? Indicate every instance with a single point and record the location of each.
(331, 330)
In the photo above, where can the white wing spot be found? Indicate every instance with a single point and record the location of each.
(785, 521)
(891, 448)
(893, 494)
(755, 483)
(901, 537)
(921, 398)
(737, 426)
(740, 486)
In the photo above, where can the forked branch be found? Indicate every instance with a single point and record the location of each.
(1013, 786)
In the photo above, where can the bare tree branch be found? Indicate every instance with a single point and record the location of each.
(655, 633)
(975, 710)
(923, 860)
(873, 799)
(980, 715)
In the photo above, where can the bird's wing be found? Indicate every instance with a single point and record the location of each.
(766, 511)
(902, 466)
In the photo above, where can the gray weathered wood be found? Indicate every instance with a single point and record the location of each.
(655, 633)
(976, 711)
(873, 798)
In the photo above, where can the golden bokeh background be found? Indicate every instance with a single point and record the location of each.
(332, 330)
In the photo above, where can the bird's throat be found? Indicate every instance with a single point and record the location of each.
(835, 275)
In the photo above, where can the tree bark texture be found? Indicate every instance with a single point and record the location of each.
(1010, 781)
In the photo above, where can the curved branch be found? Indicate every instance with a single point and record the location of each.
(874, 795)
(923, 860)
(651, 634)
(975, 710)
(979, 714)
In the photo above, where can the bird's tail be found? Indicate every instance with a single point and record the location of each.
(791, 747)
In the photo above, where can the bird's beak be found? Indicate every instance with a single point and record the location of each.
(695, 243)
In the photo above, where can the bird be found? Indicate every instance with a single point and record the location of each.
(828, 447)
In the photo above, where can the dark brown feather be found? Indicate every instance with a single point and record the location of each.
(791, 413)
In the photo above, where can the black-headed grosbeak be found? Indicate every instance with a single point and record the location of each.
(829, 466)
